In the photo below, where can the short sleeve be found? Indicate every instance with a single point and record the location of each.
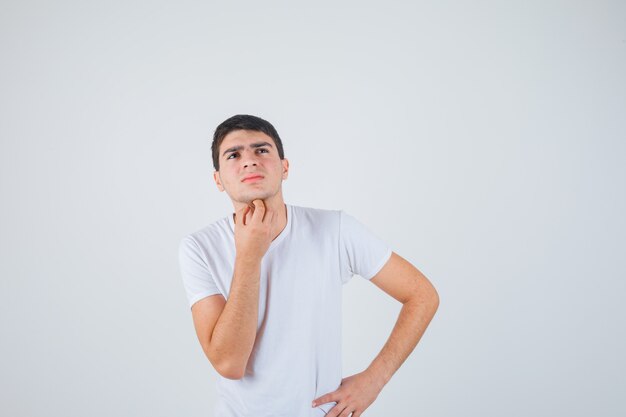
(360, 251)
(197, 280)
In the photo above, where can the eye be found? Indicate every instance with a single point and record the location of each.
(236, 153)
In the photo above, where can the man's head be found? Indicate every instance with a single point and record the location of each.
(243, 122)
(246, 145)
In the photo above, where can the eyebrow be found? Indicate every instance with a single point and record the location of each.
(252, 145)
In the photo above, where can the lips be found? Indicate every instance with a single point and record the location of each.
(253, 178)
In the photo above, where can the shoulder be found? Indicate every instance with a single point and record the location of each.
(215, 233)
(316, 215)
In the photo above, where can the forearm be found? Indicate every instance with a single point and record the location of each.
(414, 318)
(235, 330)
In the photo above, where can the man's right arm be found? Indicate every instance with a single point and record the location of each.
(227, 329)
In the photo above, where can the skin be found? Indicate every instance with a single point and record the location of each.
(234, 166)
(405, 283)
(398, 278)
(226, 329)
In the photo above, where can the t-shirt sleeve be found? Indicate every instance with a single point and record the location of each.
(360, 251)
(197, 280)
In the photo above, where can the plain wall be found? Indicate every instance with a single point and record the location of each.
(484, 141)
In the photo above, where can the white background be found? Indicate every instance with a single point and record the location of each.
(484, 141)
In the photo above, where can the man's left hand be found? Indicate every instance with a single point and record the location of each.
(355, 394)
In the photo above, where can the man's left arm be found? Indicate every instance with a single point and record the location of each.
(404, 282)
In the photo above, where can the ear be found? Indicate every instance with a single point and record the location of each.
(285, 168)
(218, 180)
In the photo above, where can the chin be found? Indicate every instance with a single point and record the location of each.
(249, 198)
(260, 195)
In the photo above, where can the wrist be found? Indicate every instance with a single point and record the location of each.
(247, 267)
(247, 260)
(377, 375)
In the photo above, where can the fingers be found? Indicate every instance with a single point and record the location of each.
(240, 216)
(258, 211)
(246, 213)
(255, 211)
(326, 398)
(346, 411)
(339, 410)
(250, 211)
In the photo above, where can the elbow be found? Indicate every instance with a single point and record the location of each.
(227, 369)
(435, 301)
(433, 298)
(427, 299)
(230, 372)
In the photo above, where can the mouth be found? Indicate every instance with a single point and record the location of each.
(253, 179)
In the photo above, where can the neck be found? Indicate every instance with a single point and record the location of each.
(274, 203)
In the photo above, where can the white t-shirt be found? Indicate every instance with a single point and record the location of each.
(297, 352)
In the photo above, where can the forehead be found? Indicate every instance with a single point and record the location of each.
(244, 137)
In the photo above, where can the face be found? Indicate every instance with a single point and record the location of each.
(244, 153)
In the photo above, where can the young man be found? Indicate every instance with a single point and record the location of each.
(264, 286)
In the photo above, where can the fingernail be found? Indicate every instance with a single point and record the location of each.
(313, 404)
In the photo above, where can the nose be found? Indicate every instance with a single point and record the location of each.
(249, 158)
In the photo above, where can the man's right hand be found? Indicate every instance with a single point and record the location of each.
(253, 230)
